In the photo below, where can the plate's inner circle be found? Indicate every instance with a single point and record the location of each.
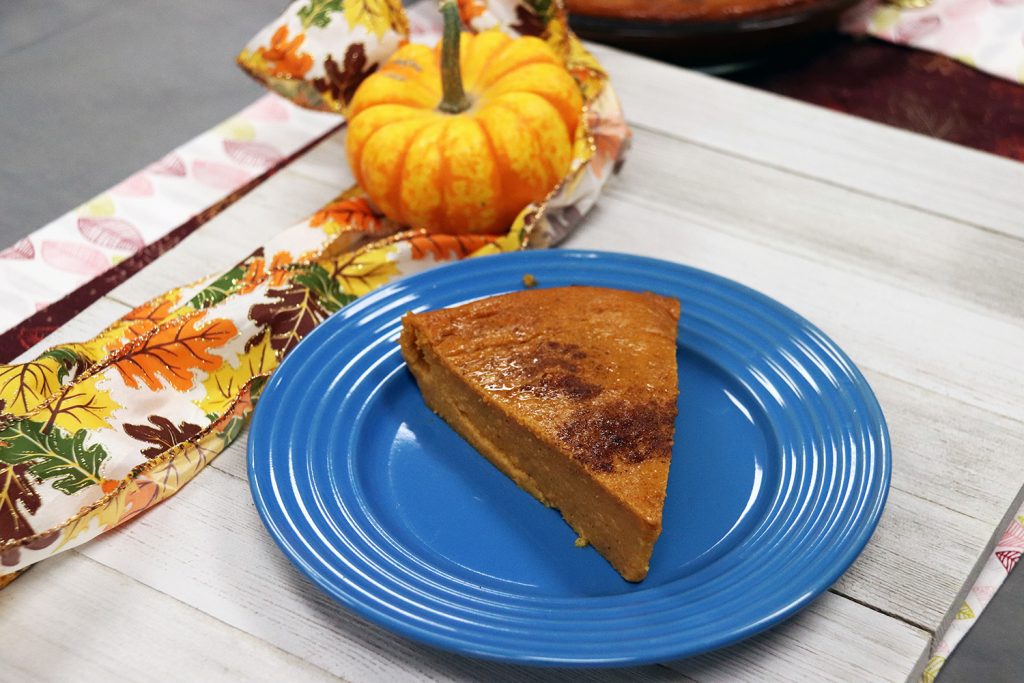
(435, 498)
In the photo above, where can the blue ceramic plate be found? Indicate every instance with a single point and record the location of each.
(779, 474)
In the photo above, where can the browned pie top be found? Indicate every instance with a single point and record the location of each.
(681, 10)
(592, 370)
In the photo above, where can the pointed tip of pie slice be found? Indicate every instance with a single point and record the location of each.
(569, 391)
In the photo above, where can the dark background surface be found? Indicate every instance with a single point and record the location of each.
(93, 90)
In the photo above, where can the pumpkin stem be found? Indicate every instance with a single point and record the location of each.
(454, 98)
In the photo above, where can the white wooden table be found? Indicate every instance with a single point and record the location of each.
(907, 251)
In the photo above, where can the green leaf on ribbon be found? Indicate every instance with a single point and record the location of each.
(318, 13)
(218, 290)
(326, 288)
(68, 360)
(58, 457)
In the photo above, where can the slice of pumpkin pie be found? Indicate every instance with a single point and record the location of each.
(572, 393)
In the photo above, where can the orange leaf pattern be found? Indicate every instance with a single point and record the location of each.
(471, 9)
(446, 247)
(147, 316)
(283, 55)
(143, 319)
(255, 274)
(336, 44)
(354, 212)
(172, 352)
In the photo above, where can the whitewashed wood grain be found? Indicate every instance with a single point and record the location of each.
(971, 186)
(73, 619)
(207, 548)
(877, 653)
(910, 334)
(326, 163)
(225, 564)
(952, 454)
(831, 224)
(916, 561)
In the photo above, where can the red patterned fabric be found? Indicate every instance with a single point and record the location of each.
(917, 91)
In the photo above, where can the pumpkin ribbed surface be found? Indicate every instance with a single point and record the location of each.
(472, 171)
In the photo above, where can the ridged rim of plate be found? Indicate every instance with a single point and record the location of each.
(834, 466)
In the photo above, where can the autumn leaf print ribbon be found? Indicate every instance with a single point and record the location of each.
(94, 433)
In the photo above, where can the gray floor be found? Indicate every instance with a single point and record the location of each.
(994, 649)
(92, 90)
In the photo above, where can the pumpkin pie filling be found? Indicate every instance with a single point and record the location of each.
(571, 392)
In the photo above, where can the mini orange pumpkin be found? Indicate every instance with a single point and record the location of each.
(432, 155)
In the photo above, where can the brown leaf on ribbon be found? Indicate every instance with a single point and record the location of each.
(163, 434)
(172, 353)
(12, 556)
(527, 22)
(291, 317)
(446, 247)
(341, 83)
(17, 496)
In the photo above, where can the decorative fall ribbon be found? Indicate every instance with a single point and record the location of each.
(95, 433)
